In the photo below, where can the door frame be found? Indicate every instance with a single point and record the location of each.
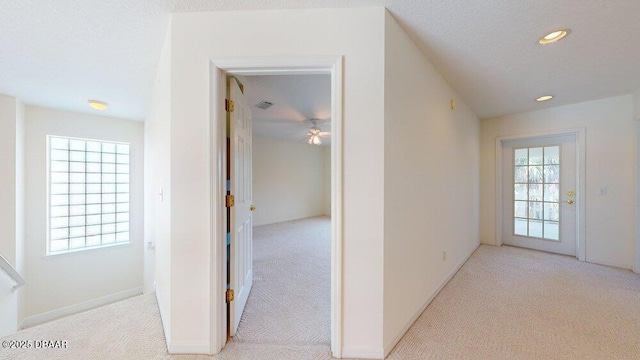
(219, 70)
(580, 134)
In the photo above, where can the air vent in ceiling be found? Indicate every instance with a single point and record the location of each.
(264, 105)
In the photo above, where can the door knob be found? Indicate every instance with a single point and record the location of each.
(252, 208)
(570, 202)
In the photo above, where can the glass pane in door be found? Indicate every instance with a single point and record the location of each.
(536, 192)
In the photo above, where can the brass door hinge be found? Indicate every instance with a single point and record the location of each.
(230, 201)
(229, 295)
(229, 106)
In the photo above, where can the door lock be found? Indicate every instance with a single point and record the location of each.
(571, 193)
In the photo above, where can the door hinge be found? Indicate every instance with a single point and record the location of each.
(229, 106)
(230, 201)
(229, 295)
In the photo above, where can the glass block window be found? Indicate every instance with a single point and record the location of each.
(88, 194)
(536, 192)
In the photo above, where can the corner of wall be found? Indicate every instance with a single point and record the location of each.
(636, 102)
(20, 203)
(157, 209)
(9, 208)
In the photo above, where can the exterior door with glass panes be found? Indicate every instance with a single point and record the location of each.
(539, 194)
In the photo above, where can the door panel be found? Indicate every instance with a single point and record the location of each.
(241, 215)
(540, 194)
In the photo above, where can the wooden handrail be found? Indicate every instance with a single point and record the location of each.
(12, 272)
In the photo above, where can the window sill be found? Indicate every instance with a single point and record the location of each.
(88, 250)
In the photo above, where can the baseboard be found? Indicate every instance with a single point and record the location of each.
(185, 348)
(78, 308)
(280, 221)
(177, 347)
(165, 327)
(388, 347)
(609, 263)
(491, 243)
(362, 353)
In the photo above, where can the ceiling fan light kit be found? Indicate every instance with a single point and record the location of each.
(314, 140)
(315, 133)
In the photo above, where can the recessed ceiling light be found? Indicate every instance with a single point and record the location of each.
(554, 36)
(98, 105)
(544, 98)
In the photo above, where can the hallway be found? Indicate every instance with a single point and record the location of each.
(505, 303)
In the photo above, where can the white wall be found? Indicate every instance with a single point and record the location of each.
(9, 128)
(288, 181)
(610, 163)
(68, 280)
(636, 98)
(358, 35)
(8, 112)
(431, 168)
(157, 228)
(636, 267)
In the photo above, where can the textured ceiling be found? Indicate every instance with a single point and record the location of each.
(488, 50)
(296, 99)
(61, 53)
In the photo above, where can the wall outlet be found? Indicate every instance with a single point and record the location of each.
(444, 255)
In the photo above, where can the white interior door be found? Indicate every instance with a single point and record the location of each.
(540, 200)
(241, 256)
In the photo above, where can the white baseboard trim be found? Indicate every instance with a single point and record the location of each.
(78, 308)
(362, 353)
(388, 347)
(609, 263)
(166, 329)
(177, 347)
(186, 348)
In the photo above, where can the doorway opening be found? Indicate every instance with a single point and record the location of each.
(237, 263)
(540, 182)
(279, 228)
(540, 194)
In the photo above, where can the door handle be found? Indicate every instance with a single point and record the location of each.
(252, 208)
(570, 202)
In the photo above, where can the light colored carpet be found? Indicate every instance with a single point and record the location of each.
(511, 303)
(505, 303)
(128, 329)
(290, 302)
(287, 315)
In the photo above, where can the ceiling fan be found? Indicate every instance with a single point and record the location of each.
(315, 134)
